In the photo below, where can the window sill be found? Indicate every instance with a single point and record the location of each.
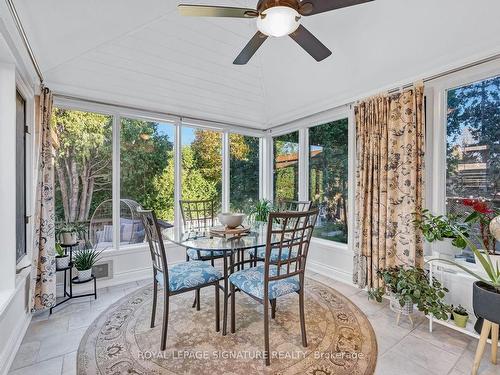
(131, 249)
(331, 244)
(6, 296)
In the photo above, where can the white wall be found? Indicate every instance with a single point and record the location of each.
(14, 315)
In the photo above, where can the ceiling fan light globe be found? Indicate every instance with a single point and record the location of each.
(278, 21)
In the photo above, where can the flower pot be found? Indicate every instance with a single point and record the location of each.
(84, 275)
(460, 320)
(62, 261)
(486, 302)
(68, 238)
(395, 306)
(445, 250)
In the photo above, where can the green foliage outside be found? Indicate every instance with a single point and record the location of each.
(84, 165)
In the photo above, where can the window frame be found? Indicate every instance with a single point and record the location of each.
(435, 92)
(118, 112)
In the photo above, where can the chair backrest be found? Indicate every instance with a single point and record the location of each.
(288, 234)
(197, 215)
(155, 241)
(300, 206)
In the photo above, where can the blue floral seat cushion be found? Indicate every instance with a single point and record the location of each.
(189, 275)
(193, 253)
(251, 281)
(261, 254)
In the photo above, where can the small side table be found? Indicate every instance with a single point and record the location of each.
(67, 295)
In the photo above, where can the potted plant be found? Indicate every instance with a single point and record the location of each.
(66, 233)
(460, 316)
(261, 210)
(486, 290)
(84, 259)
(62, 259)
(442, 228)
(483, 216)
(409, 286)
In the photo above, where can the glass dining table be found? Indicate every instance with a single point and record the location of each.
(233, 249)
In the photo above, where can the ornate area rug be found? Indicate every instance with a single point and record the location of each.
(340, 337)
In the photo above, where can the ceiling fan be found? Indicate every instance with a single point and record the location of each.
(276, 18)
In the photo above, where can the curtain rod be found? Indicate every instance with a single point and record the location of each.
(24, 38)
(450, 71)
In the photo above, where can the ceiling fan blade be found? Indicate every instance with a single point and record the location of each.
(216, 11)
(250, 49)
(310, 43)
(310, 7)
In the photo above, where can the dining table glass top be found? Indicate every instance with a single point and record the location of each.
(204, 240)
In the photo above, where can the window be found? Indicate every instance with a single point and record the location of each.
(286, 167)
(328, 178)
(473, 144)
(244, 172)
(83, 166)
(201, 165)
(20, 177)
(146, 172)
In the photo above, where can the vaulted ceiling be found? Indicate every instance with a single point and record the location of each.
(142, 53)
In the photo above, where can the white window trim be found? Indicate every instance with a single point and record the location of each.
(436, 92)
(118, 113)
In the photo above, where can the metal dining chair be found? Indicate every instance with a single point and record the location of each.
(180, 278)
(283, 206)
(273, 279)
(199, 216)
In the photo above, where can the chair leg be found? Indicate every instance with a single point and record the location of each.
(266, 332)
(197, 299)
(302, 318)
(494, 343)
(155, 298)
(217, 308)
(165, 321)
(233, 308)
(273, 308)
(485, 331)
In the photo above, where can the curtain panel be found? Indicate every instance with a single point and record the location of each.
(390, 133)
(43, 277)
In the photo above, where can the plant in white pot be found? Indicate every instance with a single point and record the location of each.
(84, 259)
(486, 290)
(62, 259)
(442, 228)
(410, 286)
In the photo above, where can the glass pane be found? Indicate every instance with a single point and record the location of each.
(473, 144)
(244, 172)
(286, 167)
(202, 165)
(328, 178)
(83, 165)
(146, 174)
(20, 177)
(473, 147)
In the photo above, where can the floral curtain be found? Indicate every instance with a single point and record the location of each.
(43, 278)
(389, 183)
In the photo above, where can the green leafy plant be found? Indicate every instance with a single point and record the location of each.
(59, 250)
(73, 227)
(261, 210)
(439, 227)
(86, 258)
(412, 285)
(492, 271)
(460, 310)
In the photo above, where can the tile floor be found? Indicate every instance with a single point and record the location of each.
(50, 344)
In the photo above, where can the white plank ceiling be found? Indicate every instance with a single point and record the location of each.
(142, 53)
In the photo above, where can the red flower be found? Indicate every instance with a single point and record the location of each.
(468, 202)
(482, 208)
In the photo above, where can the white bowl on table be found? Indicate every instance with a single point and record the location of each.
(231, 220)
